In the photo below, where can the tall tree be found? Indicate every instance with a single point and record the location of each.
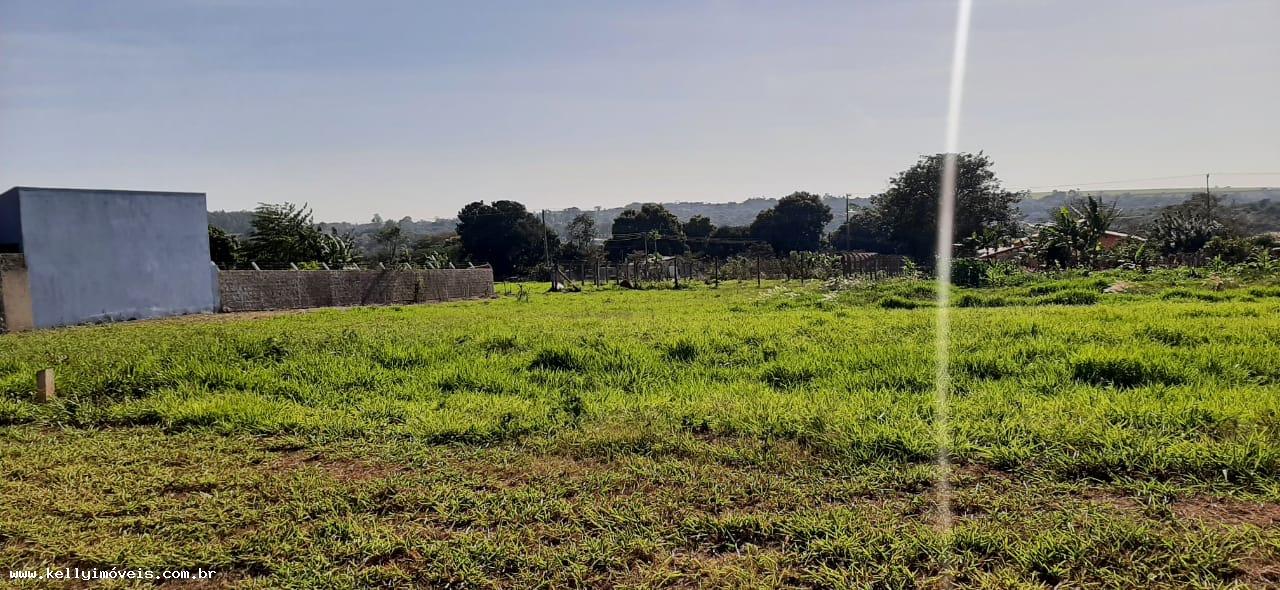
(794, 224)
(652, 228)
(1184, 229)
(504, 235)
(393, 243)
(1074, 234)
(697, 231)
(860, 232)
(1190, 225)
(224, 248)
(580, 236)
(907, 213)
(729, 240)
(285, 233)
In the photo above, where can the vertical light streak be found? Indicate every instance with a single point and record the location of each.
(946, 225)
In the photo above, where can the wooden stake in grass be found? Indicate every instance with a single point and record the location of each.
(45, 391)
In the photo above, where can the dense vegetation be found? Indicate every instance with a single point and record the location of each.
(1114, 429)
(1263, 205)
(900, 221)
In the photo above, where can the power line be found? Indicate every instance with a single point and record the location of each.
(1148, 179)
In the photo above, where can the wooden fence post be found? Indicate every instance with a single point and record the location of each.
(45, 390)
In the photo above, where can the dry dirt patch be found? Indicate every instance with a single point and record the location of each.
(343, 470)
(1228, 512)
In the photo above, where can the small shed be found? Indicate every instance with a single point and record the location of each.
(78, 256)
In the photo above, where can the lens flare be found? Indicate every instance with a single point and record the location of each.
(946, 223)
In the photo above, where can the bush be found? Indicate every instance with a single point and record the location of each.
(1234, 250)
(969, 272)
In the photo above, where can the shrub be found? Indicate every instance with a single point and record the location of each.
(969, 272)
(1233, 250)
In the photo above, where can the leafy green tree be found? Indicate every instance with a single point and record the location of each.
(1074, 234)
(1236, 250)
(580, 238)
(1184, 230)
(651, 228)
(861, 232)
(907, 213)
(697, 231)
(729, 240)
(224, 248)
(436, 251)
(393, 243)
(285, 233)
(337, 249)
(794, 224)
(504, 235)
(1190, 226)
(1057, 242)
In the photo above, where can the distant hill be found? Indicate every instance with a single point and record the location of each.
(1039, 206)
(1261, 204)
(721, 214)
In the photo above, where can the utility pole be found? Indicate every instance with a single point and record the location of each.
(546, 248)
(846, 221)
(1208, 200)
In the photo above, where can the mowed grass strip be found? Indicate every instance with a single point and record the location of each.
(566, 511)
(715, 437)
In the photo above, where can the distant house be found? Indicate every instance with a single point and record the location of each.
(1114, 239)
(1005, 252)
(1110, 240)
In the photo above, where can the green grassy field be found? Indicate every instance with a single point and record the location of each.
(729, 437)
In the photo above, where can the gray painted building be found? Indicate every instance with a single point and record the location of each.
(106, 255)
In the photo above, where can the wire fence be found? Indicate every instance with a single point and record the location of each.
(306, 266)
(798, 266)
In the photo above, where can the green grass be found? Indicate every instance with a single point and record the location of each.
(776, 437)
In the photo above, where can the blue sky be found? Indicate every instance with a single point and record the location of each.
(416, 108)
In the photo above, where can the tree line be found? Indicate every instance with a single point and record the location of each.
(901, 220)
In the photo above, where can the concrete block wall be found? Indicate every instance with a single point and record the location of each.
(254, 290)
(15, 294)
